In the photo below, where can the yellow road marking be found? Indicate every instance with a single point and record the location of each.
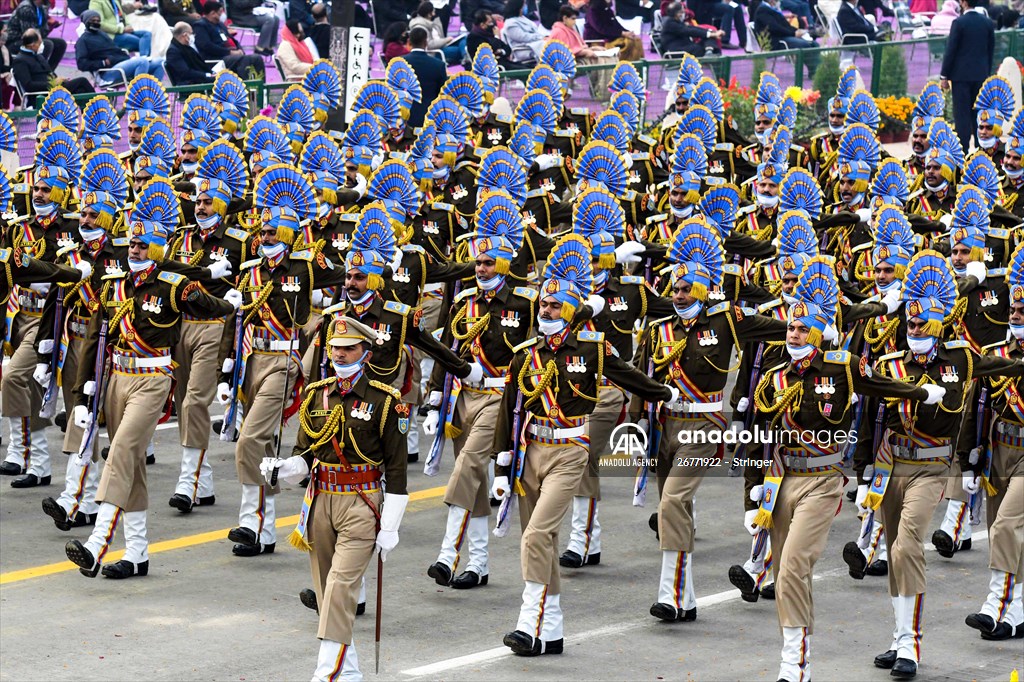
(176, 543)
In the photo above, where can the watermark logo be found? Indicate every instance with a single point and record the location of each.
(628, 440)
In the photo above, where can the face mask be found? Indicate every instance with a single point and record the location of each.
(273, 252)
(837, 130)
(549, 327)
(490, 284)
(441, 173)
(689, 312)
(761, 137)
(800, 352)
(789, 299)
(988, 143)
(1013, 174)
(92, 27)
(46, 210)
(959, 272)
(936, 188)
(895, 284)
(922, 346)
(857, 199)
(683, 212)
(134, 147)
(1017, 330)
(223, 17)
(766, 201)
(189, 168)
(91, 235)
(192, 42)
(600, 279)
(40, 49)
(139, 266)
(347, 371)
(208, 223)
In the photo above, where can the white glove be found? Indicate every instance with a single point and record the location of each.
(500, 488)
(756, 493)
(390, 519)
(223, 393)
(596, 303)
(863, 214)
(291, 470)
(42, 374)
(743, 404)
(748, 521)
(869, 473)
(476, 374)
(862, 495)
(41, 288)
(221, 267)
(946, 220)
(627, 252)
(504, 458)
(545, 161)
(974, 455)
(978, 270)
(935, 394)
(228, 366)
(643, 425)
(89, 388)
(434, 400)
(396, 260)
(431, 421)
(674, 400)
(84, 267)
(971, 483)
(81, 417)
(830, 334)
(360, 187)
(45, 347)
(892, 300)
(234, 297)
(317, 299)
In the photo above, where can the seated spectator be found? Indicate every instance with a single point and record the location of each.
(679, 35)
(426, 18)
(215, 42)
(520, 31)
(852, 20)
(184, 64)
(96, 50)
(175, 11)
(34, 74)
(242, 13)
(601, 24)
(565, 30)
(943, 21)
(7, 91)
(725, 15)
(875, 7)
(923, 7)
(396, 41)
(35, 14)
(296, 53)
(769, 20)
(485, 31)
(320, 31)
(113, 22)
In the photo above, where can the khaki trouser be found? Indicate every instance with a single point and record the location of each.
(1006, 511)
(675, 510)
(265, 397)
(550, 478)
(600, 424)
(954, 484)
(69, 375)
(198, 369)
(22, 396)
(137, 402)
(467, 487)
(913, 493)
(801, 520)
(342, 532)
(309, 333)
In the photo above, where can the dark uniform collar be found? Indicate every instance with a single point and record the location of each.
(501, 294)
(356, 388)
(814, 361)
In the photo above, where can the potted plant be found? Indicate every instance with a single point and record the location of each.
(895, 113)
(739, 106)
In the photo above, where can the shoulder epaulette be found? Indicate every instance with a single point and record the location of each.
(305, 254)
(861, 247)
(580, 111)
(764, 307)
(640, 156)
(390, 390)
(660, 320)
(120, 241)
(396, 307)
(526, 292)
(998, 273)
(235, 233)
(465, 164)
(873, 299)
(839, 357)
(630, 195)
(413, 248)
(776, 368)
(564, 132)
(646, 139)
(657, 218)
(998, 233)
(502, 118)
(724, 147)
(320, 384)
(349, 217)
(250, 264)
(595, 337)
(5, 255)
(525, 344)
(732, 269)
(437, 333)
(713, 180)
(170, 277)
(720, 308)
(898, 355)
(747, 311)
(993, 346)
(539, 192)
(958, 343)
(465, 293)
(746, 209)
(441, 206)
(631, 279)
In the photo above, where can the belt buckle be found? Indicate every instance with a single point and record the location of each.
(544, 432)
(798, 462)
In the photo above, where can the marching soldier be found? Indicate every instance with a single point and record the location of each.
(541, 437)
(824, 145)
(1013, 168)
(351, 444)
(994, 104)
(140, 320)
(935, 194)
(930, 105)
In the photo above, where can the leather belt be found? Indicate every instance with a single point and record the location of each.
(330, 476)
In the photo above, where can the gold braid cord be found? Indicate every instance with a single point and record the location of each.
(474, 330)
(957, 315)
(330, 428)
(547, 376)
(785, 400)
(878, 334)
(123, 310)
(999, 385)
(677, 352)
(253, 308)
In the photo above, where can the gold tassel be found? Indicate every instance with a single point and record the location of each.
(451, 431)
(156, 252)
(502, 266)
(296, 540)
(978, 254)
(106, 221)
(568, 312)
(814, 338)
(330, 196)
(296, 148)
(374, 281)
(606, 261)
(699, 291)
(990, 489)
(933, 328)
(320, 115)
(763, 519)
(449, 159)
(230, 126)
(873, 500)
(693, 197)
(285, 235)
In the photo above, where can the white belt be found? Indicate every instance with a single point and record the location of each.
(77, 328)
(556, 434)
(805, 462)
(494, 382)
(132, 362)
(430, 288)
(34, 303)
(1008, 429)
(680, 406)
(909, 452)
(272, 345)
